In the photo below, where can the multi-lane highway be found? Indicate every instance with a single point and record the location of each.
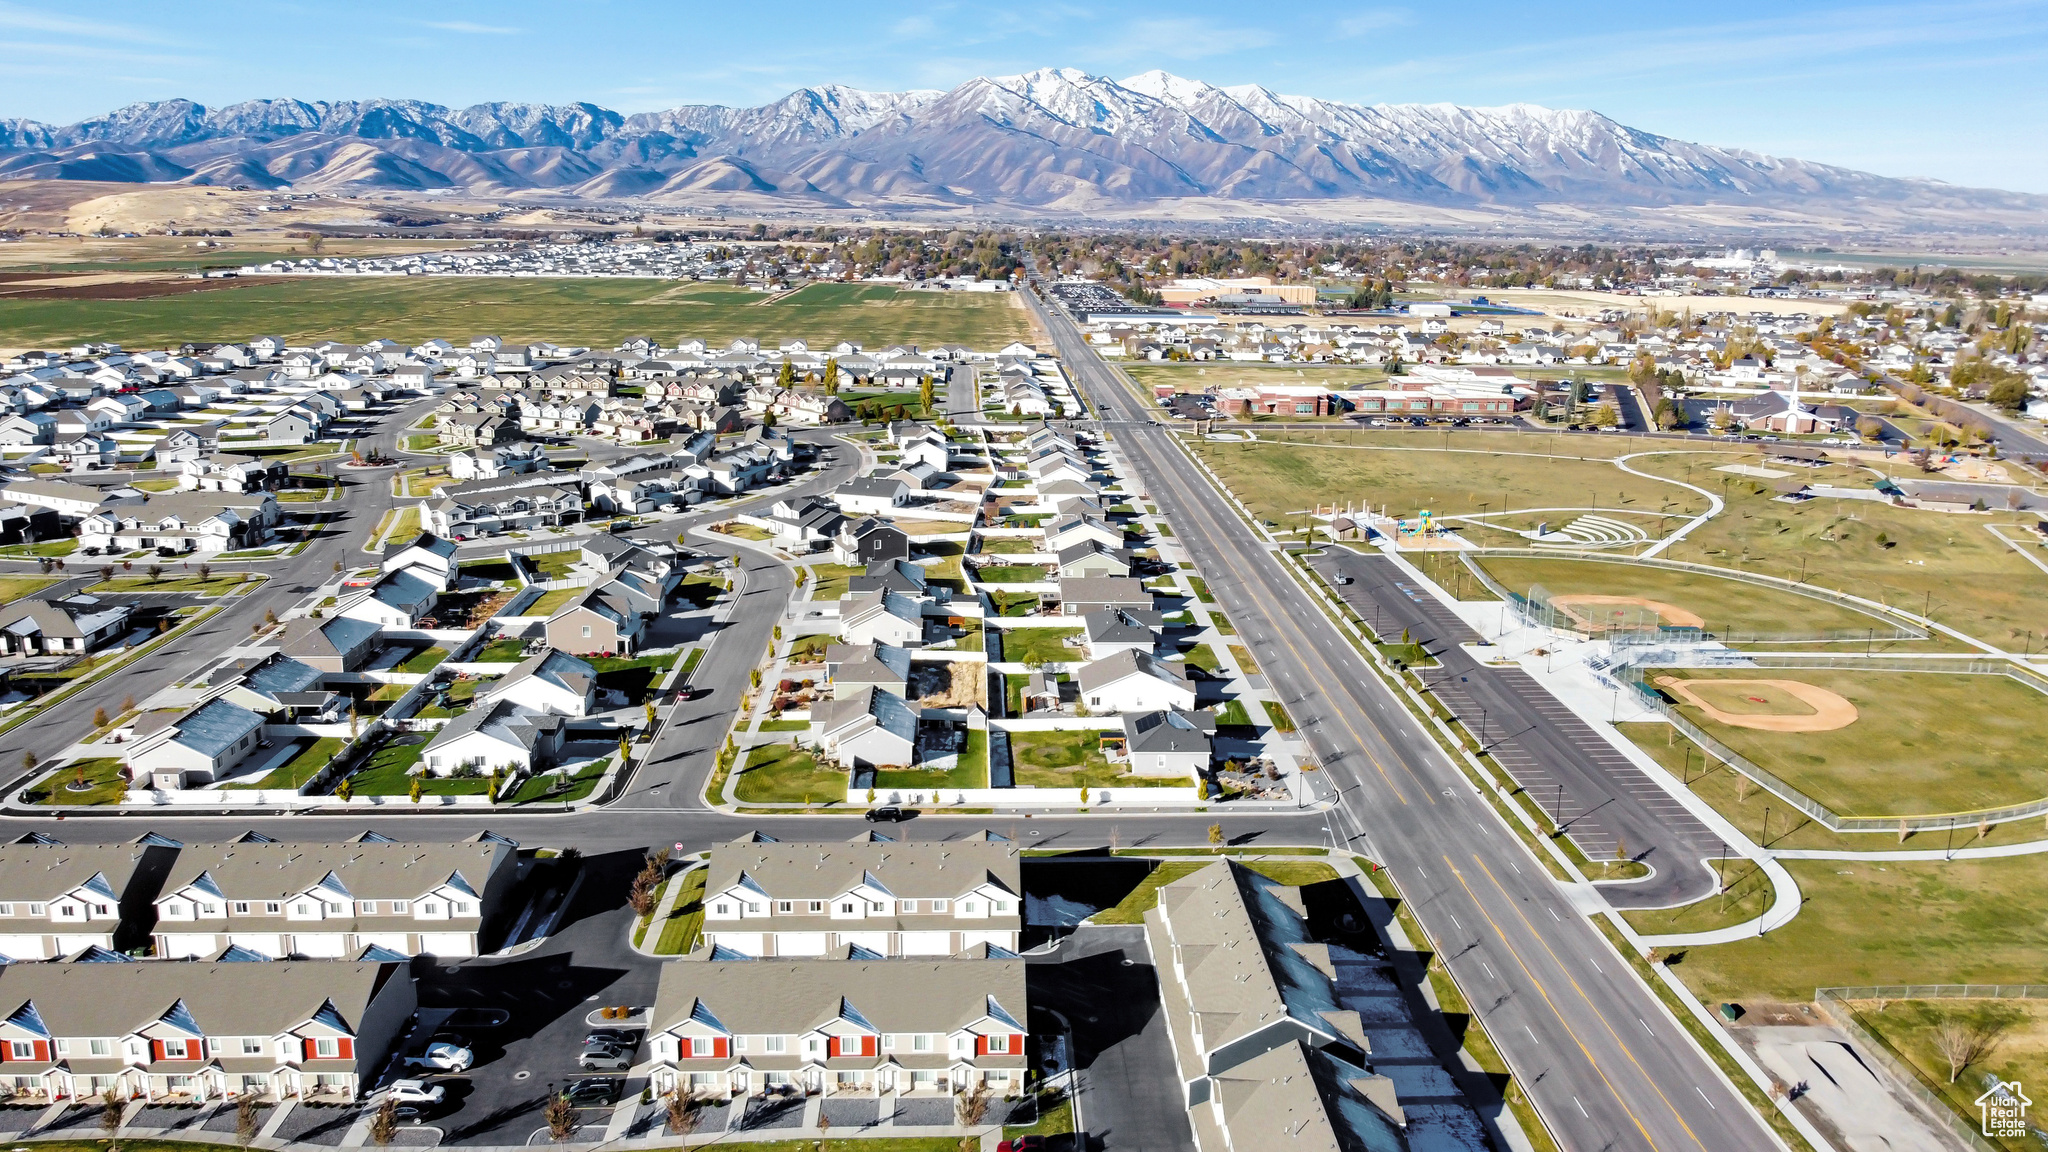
(1595, 1050)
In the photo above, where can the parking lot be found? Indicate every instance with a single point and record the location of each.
(1100, 982)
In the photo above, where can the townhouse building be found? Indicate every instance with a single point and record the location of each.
(299, 899)
(56, 899)
(840, 1026)
(889, 899)
(199, 1032)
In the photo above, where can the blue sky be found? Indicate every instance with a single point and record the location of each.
(1949, 91)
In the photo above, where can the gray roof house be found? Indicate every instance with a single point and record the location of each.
(60, 898)
(867, 727)
(548, 682)
(932, 1026)
(333, 645)
(397, 600)
(1080, 595)
(494, 736)
(1134, 682)
(851, 667)
(1112, 630)
(1168, 742)
(197, 746)
(73, 624)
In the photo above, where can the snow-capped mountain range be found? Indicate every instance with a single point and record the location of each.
(1050, 141)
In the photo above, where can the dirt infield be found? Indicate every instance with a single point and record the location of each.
(1765, 705)
(1672, 615)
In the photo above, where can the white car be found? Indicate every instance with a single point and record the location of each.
(417, 1092)
(444, 1058)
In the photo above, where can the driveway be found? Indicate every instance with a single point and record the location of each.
(1101, 981)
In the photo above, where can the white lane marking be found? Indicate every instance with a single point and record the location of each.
(1511, 864)
(1703, 1096)
(1418, 868)
(1554, 915)
(1582, 1107)
(1532, 1034)
(1596, 966)
(1454, 920)
(1645, 1024)
(1489, 970)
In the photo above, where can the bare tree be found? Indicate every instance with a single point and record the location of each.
(1964, 1042)
(682, 1119)
(246, 1118)
(561, 1118)
(384, 1124)
(111, 1108)
(974, 1106)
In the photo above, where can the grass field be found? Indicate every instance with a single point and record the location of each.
(1145, 897)
(1072, 759)
(2019, 1051)
(595, 312)
(1923, 742)
(1944, 564)
(1887, 922)
(300, 768)
(829, 581)
(1723, 603)
(1406, 475)
(17, 587)
(1042, 645)
(107, 783)
(783, 774)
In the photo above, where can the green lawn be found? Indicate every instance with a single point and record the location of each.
(1243, 656)
(1888, 922)
(807, 649)
(829, 581)
(2019, 1053)
(551, 601)
(1072, 759)
(1201, 589)
(1723, 604)
(551, 788)
(555, 565)
(971, 771)
(1042, 645)
(1277, 713)
(592, 311)
(51, 548)
(425, 661)
(1142, 899)
(388, 773)
(104, 774)
(500, 652)
(294, 772)
(21, 587)
(686, 920)
(1923, 742)
(634, 676)
(212, 586)
(1007, 545)
(1012, 574)
(1232, 713)
(1204, 657)
(1014, 603)
(783, 774)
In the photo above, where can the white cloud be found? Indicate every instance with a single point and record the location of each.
(12, 16)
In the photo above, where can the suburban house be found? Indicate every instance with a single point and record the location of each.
(1168, 742)
(894, 576)
(871, 495)
(881, 618)
(396, 600)
(426, 557)
(606, 618)
(1091, 558)
(1251, 1001)
(72, 502)
(177, 749)
(499, 735)
(184, 1033)
(224, 472)
(932, 898)
(1080, 595)
(869, 541)
(552, 681)
(488, 507)
(867, 727)
(184, 521)
(74, 624)
(333, 645)
(299, 899)
(1108, 631)
(936, 1027)
(851, 667)
(281, 688)
(1134, 682)
(57, 899)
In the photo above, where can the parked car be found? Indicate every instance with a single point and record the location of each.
(611, 1038)
(594, 1090)
(605, 1059)
(443, 1057)
(888, 814)
(446, 1037)
(1022, 1144)
(417, 1092)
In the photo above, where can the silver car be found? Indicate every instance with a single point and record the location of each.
(601, 1059)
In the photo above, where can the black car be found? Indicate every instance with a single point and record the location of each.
(612, 1038)
(888, 814)
(447, 1037)
(594, 1090)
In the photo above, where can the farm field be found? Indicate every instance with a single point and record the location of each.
(1922, 743)
(1723, 604)
(594, 312)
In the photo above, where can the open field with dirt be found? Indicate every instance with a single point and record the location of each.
(1922, 743)
(594, 311)
(1193, 377)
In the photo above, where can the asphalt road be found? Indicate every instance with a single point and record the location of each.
(1596, 1051)
(1595, 793)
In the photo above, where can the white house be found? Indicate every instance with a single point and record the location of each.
(197, 746)
(397, 600)
(1134, 682)
(881, 618)
(552, 682)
